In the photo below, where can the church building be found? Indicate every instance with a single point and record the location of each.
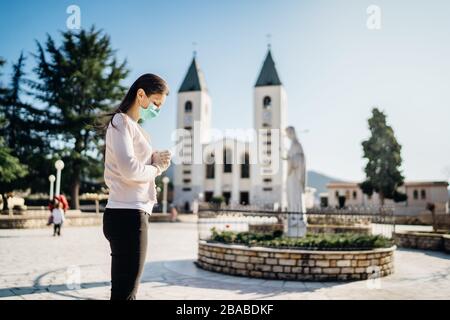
(231, 167)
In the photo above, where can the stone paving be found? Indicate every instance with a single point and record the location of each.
(35, 265)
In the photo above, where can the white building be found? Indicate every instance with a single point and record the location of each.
(241, 171)
(419, 194)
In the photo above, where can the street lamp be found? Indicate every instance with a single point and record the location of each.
(165, 181)
(59, 165)
(52, 179)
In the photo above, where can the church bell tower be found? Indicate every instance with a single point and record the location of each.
(269, 116)
(194, 120)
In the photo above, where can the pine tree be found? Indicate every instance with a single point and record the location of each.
(383, 152)
(2, 89)
(10, 167)
(25, 130)
(78, 81)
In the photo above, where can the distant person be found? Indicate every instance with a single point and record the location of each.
(57, 217)
(173, 212)
(195, 206)
(131, 167)
(60, 198)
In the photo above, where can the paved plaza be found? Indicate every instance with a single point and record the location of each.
(35, 265)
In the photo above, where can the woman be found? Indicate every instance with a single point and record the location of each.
(130, 170)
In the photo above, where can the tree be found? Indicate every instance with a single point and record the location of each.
(383, 174)
(10, 166)
(2, 89)
(78, 81)
(10, 170)
(24, 130)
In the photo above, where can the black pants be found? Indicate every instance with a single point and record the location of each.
(126, 231)
(57, 229)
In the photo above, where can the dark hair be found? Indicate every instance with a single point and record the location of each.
(54, 203)
(150, 83)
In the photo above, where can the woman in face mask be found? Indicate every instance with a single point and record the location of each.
(131, 167)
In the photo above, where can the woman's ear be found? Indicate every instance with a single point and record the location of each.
(140, 94)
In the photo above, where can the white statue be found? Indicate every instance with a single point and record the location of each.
(296, 186)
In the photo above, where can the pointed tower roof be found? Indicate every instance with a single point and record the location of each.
(194, 79)
(268, 75)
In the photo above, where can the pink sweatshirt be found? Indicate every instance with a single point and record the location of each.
(128, 173)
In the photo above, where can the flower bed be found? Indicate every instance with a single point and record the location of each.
(332, 241)
(313, 228)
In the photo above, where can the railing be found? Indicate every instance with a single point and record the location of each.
(369, 210)
(376, 220)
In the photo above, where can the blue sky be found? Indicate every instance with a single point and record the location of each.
(333, 67)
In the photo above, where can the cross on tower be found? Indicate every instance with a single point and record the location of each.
(194, 48)
(268, 36)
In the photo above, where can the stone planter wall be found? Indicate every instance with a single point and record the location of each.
(161, 217)
(446, 243)
(420, 240)
(74, 218)
(290, 264)
(442, 220)
(40, 221)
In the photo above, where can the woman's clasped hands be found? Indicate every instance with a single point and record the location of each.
(161, 160)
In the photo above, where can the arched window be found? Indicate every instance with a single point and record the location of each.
(416, 194)
(245, 167)
(267, 102)
(210, 167)
(227, 160)
(423, 194)
(188, 106)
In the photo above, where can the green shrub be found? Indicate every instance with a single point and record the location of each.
(218, 199)
(338, 241)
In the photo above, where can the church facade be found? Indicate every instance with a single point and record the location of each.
(243, 171)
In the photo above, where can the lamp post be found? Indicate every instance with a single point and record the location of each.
(165, 181)
(59, 165)
(52, 179)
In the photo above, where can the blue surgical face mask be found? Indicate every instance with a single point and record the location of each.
(150, 112)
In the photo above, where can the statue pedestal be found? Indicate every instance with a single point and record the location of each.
(295, 225)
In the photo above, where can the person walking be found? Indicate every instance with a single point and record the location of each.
(131, 167)
(57, 217)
